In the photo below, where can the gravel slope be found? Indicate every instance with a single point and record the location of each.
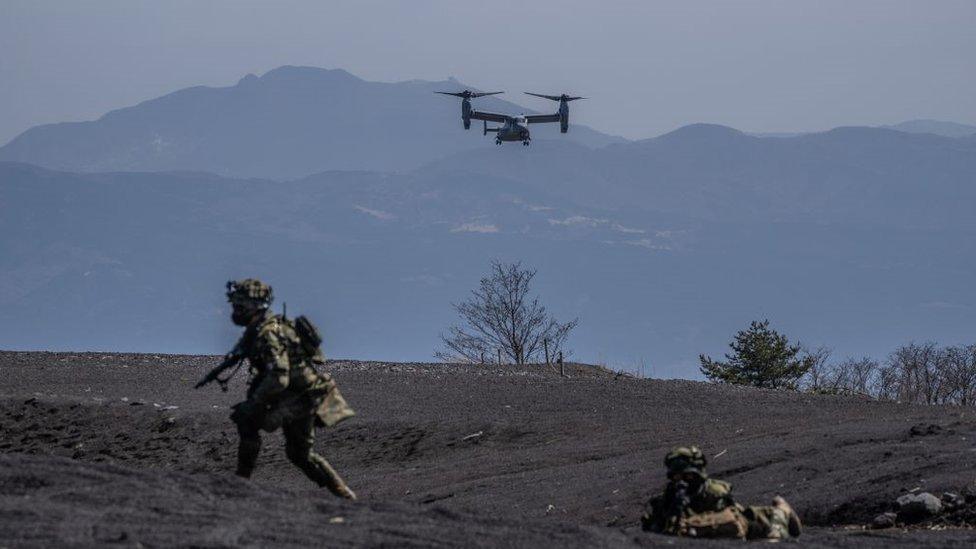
(95, 447)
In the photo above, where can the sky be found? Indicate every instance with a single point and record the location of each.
(647, 67)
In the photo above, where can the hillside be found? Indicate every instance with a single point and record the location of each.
(859, 239)
(289, 122)
(446, 455)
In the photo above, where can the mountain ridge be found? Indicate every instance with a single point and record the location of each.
(936, 127)
(289, 122)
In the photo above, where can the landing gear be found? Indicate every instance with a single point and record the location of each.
(498, 141)
(525, 143)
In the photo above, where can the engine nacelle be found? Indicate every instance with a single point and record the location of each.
(563, 117)
(466, 113)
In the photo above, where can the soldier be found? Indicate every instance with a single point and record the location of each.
(285, 389)
(694, 505)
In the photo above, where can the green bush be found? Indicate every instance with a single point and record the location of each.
(761, 357)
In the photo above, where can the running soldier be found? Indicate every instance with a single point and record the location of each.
(285, 389)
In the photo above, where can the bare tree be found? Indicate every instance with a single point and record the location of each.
(819, 377)
(916, 370)
(887, 383)
(502, 318)
(959, 374)
(850, 377)
(861, 375)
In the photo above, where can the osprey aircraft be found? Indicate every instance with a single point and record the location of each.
(513, 127)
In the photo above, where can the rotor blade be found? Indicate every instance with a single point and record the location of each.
(482, 94)
(562, 97)
(551, 97)
(455, 94)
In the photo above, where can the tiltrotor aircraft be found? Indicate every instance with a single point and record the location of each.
(513, 127)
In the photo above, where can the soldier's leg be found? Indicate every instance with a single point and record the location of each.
(299, 438)
(249, 444)
(793, 526)
(776, 521)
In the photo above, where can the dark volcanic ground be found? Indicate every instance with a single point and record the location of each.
(104, 448)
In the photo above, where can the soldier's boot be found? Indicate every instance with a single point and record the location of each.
(767, 522)
(319, 470)
(327, 477)
(336, 485)
(247, 451)
(247, 457)
(793, 525)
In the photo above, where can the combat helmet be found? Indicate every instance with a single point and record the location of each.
(685, 459)
(250, 292)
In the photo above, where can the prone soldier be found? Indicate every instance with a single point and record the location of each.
(285, 389)
(695, 505)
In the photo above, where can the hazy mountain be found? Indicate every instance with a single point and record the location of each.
(290, 122)
(937, 127)
(775, 134)
(715, 173)
(856, 238)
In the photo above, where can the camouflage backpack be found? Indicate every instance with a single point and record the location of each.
(334, 408)
(727, 523)
(311, 339)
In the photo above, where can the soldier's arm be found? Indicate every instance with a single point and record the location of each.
(653, 518)
(647, 520)
(718, 495)
(272, 357)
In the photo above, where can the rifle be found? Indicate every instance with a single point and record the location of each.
(676, 508)
(232, 359)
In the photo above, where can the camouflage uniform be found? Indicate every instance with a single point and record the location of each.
(285, 390)
(694, 505)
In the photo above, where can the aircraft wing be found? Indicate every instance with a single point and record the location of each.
(489, 116)
(540, 118)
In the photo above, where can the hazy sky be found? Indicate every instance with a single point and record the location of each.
(648, 67)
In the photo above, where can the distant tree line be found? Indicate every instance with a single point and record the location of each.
(919, 373)
(502, 322)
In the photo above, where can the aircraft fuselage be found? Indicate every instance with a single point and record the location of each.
(515, 129)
